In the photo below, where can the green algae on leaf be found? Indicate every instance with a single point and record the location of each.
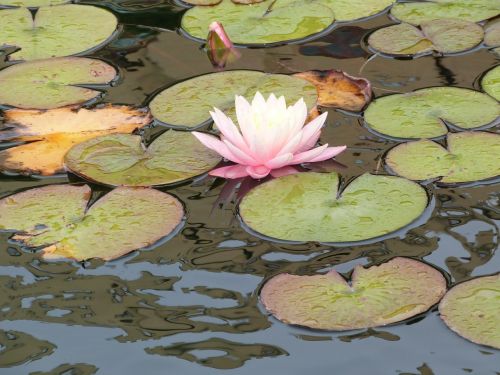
(32, 3)
(444, 35)
(422, 113)
(56, 30)
(52, 83)
(350, 10)
(121, 159)
(377, 296)
(471, 310)
(56, 218)
(187, 104)
(471, 156)
(491, 82)
(305, 207)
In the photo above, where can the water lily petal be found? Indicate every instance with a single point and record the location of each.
(258, 172)
(310, 132)
(215, 144)
(329, 153)
(240, 155)
(243, 114)
(231, 172)
(228, 129)
(280, 161)
(308, 156)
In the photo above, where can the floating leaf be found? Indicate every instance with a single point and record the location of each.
(491, 82)
(471, 156)
(338, 89)
(492, 33)
(52, 83)
(445, 35)
(187, 104)
(32, 3)
(421, 114)
(305, 207)
(55, 217)
(350, 10)
(202, 2)
(377, 296)
(467, 10)
(50, 134)
(121, 159)
(56, 30)
(471, 310)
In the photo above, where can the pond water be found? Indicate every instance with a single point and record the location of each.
(190, 305)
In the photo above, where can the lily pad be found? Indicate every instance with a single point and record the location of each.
(445, 36)
(471, 310)
(308, 207)
(422, 113)
(52, 83)
(491, 82)
(56, 30)
(377, 296)
(471, 156)
(350, 10)
(32, 3)
(48, 135)
(467, 10)
(187, 104)
(55, 218)
(492, 33)
(121, 159)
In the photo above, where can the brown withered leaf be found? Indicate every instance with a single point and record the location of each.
(46, 136)
(338, 89)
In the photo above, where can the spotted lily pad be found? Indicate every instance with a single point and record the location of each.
(471, 310)
(471, 156)
(52, 83)
(491, 82)
(422, 113)
(467, 10)
(187, 104)
(32, 3)
(121, 159)
(56, 218)
(445, 35)
(377, 296)
(55, 31)
(350, 10)
(308, 207)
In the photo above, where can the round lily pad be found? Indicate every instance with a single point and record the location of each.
(55, 217)
(377, 296)
(471, 310)
(121, 159)
(308, 207)
(471, 156)
(187, 104)
(445, 36)
(491, 82)
(421, 114)
(56, 30)
(350, 10)
(467, 10)
(262, 23)
(32, 3)
(52, 83)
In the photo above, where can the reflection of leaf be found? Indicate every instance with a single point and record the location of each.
(52, 133)
(236, 354)
(66, 368)
(377, 296)
(342, 43)
(19, 347)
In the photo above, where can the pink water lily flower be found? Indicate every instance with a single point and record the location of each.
(271, 136)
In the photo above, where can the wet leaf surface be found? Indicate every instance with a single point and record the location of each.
(56, 219)
(48, 135)
(52, 83)
(377, 296)
(32, 3)
(56, 30)
(471, 156)
(305, 207)
(121, 159)
(492, 33)
(421, 113)
(350, 10)
(491, 82)
(471, 310)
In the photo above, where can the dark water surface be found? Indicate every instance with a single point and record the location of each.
(190, 305)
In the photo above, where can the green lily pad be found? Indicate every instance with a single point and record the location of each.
(187, 104)
(492, 33)
(467, 10)
(471, 156)
(491, 82)
(446, 36)
(471, 310)
(305, 207)
(32, 3)
(55, 217)
(121, 159)
(377, 296)
(421, 113)
(350, 10)
(260, 23)
(56, 30)
(52, 83)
